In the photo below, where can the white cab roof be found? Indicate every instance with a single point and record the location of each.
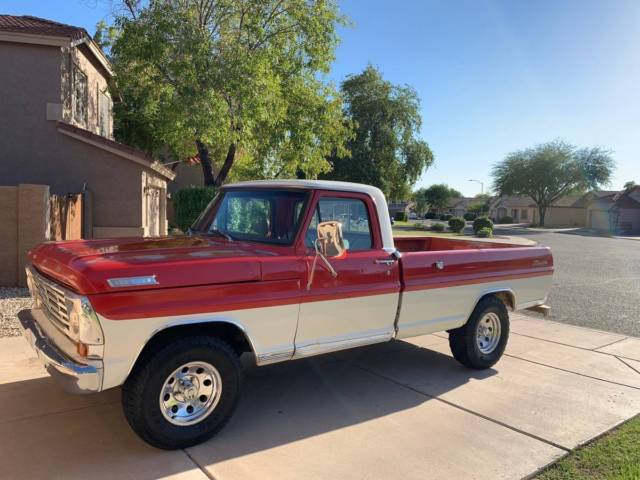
(375, 193)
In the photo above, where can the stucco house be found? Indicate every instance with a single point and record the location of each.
(396, 206)
(56, 128)
(459, 206)
(521, 208)
(614, 212)
(567, 211)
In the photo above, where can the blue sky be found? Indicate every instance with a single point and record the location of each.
(493, 76)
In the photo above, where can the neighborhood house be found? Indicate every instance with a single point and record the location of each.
(56, 130)
(607, 211)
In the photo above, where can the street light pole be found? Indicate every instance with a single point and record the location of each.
(481, 184)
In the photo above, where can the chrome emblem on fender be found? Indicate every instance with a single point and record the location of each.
(132, 281)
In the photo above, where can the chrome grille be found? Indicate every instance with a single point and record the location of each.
(53, 300)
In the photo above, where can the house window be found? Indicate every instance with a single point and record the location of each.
(80, 97)
(104, 110)
(524, 214)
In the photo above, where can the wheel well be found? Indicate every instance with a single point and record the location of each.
(231, 334)
(506, 296)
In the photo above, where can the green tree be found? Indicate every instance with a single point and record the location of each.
(385, 151)
(549, 171)
(422, 205)
(629, 185)
(235, 81)
(436, 196)
(480, 203)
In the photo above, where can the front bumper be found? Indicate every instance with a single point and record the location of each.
(74, 377)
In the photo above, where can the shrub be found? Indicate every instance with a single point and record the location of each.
(506, 219)
(429, 216)
(401, 216)
(469, 216)
(437, 227)
(482, 222)
(484, 232)
(445, 217)
(188, 203)
(419, 226)
(456, 224)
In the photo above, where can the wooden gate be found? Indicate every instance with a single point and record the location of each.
(66, 216)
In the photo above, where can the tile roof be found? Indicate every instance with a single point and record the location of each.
(461, 201)
(40, 26)
(604, 193)
(508, 201)
(113, 146)
(576, 200)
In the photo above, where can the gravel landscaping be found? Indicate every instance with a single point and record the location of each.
(12, 300)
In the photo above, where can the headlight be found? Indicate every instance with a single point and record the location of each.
(84, 326)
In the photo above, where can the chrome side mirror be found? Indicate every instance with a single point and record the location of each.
(329, 243)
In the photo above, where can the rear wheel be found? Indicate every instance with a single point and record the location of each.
(183, 393)
(481, 341)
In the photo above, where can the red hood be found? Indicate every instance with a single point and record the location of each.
(86, 265)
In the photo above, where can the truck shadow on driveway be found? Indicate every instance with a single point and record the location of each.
(42, 428)
(282, 404)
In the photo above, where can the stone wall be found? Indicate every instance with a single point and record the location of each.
(24, 223)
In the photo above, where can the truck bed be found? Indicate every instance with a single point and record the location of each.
(442, 279)
(431, 244)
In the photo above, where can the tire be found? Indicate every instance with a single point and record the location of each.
(208, 361)
(477, 351)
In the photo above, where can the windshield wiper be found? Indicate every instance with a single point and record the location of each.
(221, 233)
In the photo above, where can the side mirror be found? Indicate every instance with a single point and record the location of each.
(328, 244)
(330, 241)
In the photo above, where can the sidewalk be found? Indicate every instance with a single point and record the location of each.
(396, 410)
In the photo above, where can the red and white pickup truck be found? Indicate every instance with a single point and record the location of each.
(280, 269)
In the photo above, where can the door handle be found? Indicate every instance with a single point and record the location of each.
(439, 264)
(384, 261)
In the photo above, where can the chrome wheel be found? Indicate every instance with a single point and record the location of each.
(190, 393)
(488, 333)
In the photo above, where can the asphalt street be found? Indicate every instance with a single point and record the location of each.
(596, 282)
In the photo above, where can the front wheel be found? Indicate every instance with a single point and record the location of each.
(183, 393)
(480, 343)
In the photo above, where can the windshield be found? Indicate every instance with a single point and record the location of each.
(265, 216)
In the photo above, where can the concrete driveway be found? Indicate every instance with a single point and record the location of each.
(397, 410)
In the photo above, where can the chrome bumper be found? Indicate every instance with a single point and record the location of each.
(73, 376)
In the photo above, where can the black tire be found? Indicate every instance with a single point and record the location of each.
(463, 340)
(141, 391)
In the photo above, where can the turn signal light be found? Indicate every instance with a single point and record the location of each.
(82, 349)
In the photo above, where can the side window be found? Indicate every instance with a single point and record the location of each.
(351, 213)
(80, 96)
(104, 111)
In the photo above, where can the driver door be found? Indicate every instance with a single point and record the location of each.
(359, 305)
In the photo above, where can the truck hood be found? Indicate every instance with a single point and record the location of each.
(85, 266)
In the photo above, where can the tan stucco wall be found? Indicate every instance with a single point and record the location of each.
(24, 223)
(629, 217)
(501, 211)
(29, 79)
(186, 176)
(598, 219)
(8, 236)
(565, 217)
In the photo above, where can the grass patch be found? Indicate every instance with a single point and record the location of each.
(398, 223)
(616, 456)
